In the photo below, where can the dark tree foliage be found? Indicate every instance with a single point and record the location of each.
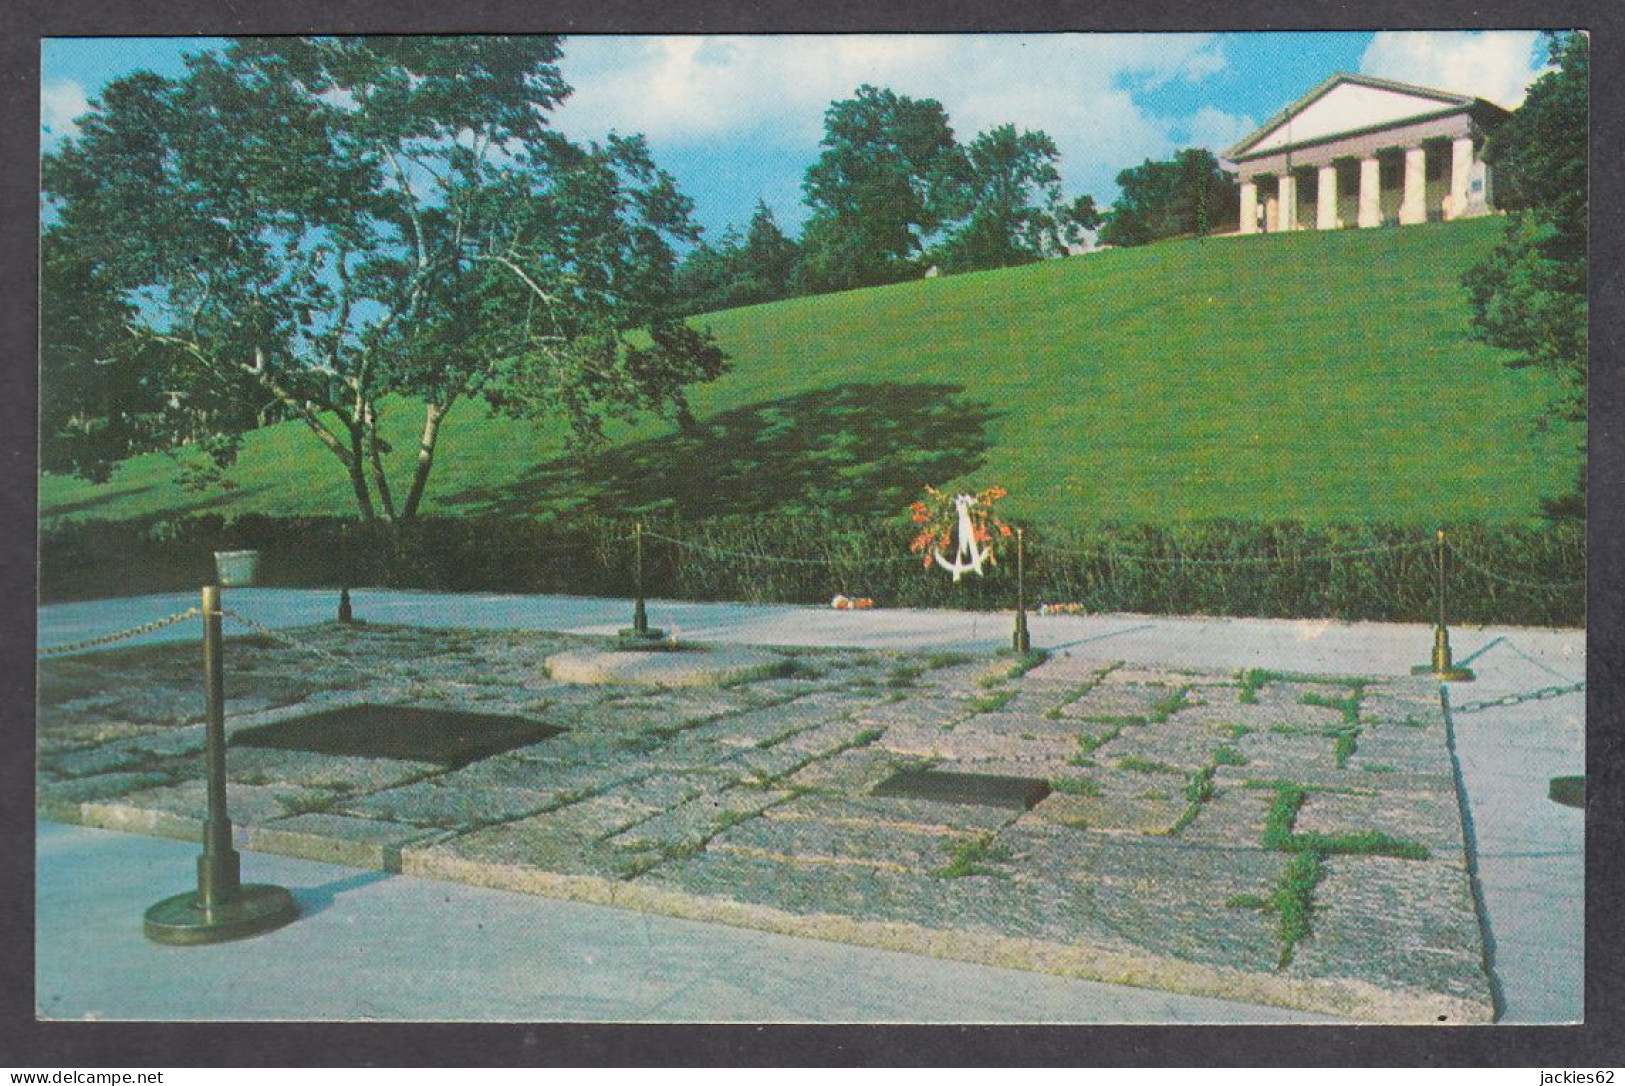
(706, 276)
(770, 258)
(881, 188)
(1009, 204)
(1186, 196)
(1539, 154)
(324, 229)
(95, 406)
(760, 266)
(1529, 295)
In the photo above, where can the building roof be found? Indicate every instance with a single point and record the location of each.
(1347, 103)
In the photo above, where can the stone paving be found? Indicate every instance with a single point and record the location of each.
(1267, 837)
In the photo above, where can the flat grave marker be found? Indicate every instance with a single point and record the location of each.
(446, 737)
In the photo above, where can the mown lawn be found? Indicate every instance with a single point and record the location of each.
(1313, 377)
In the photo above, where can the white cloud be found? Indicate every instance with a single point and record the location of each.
(1493, 64)
(62, 102)
(1217, 130)
(775, 88)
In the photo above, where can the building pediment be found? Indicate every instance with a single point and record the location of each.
(1347, 104)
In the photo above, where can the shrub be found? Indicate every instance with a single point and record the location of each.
(1267, 570)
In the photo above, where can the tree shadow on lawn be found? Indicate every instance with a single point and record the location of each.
(854, 448)
(109, 494)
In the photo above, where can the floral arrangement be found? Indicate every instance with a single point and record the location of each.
(938, 517)
(852, 603)
(1060, 609)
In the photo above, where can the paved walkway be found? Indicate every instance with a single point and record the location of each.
(1529, 850)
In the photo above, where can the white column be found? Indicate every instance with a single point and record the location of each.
(1413, 207)
(1370, 192)
(1483, 200)
(1287, 217)
(1461, 171)
(1249, 207)
(1326, 199)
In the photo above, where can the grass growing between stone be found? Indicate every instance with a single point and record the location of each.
(1344, 746)
(992, 702)
(1345, 739)
(1082, 690)
(1293, 898)
(1294, 902)
(1146, 765)
(1252, 680)
(904, 675)
(1198, 790)
(1167, 705)
(1089, 742)
(1026, 662)
(975, 857)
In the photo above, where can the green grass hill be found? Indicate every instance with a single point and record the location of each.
(1317, 377)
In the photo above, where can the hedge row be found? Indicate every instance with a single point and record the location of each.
(1496, 574)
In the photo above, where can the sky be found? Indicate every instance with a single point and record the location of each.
(737, 119)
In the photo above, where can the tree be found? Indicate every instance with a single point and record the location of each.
(352, 225)
(105, 395)
(769, 257)
(1188, 195)
(705, 279)
(879, 190)
(1011, 204)
(1539, 154)
(1529, 295)
(758, 266)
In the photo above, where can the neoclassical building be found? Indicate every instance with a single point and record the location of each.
(1358, 151)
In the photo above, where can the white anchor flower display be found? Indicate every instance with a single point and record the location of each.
(966, 522)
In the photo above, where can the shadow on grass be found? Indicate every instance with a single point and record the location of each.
(859, 448)
(186, 507)
(109, 494)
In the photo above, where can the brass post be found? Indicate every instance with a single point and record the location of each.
(640, 614)
(640, 630)
(1020, 640)
(1441, 578)
(221, 907)
(1442, 667)
(219, 868)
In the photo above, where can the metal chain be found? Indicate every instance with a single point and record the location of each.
(122, 635)
(1264, 560)
(580, 545)
(1545, 693)
(286, 639)
(719, 552)
(339, 661)
(1121, 555)
(1511, 581)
